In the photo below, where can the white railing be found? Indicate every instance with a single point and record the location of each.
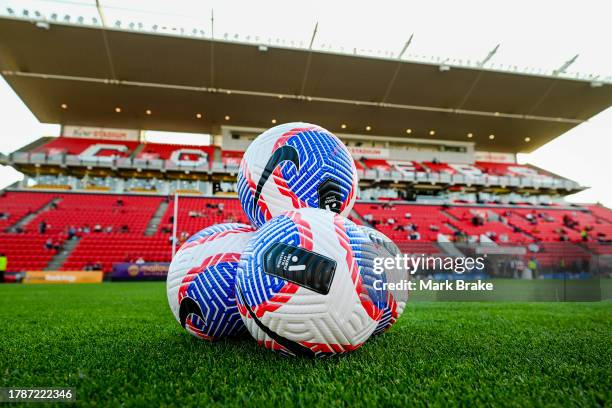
(369, 174)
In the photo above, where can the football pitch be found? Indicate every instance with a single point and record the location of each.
(118, 344)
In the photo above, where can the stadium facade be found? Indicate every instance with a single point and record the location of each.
(436, 140)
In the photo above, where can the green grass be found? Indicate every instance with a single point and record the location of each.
(118, 344)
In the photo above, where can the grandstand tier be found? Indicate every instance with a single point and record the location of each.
(49, 162)
(112, 228)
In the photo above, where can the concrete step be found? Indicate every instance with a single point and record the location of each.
(357, 216)
(58, 259)
(449, 248)
(156, 219)
(25, 220)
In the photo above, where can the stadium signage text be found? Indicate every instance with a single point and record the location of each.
(86, 132)
(125, 271)
(63, 277)
(371, 152)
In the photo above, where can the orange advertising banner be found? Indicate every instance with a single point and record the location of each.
(63, 277)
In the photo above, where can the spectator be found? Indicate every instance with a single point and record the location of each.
(390, 220)
(140, 260)
(86, 229)
(97, 228)
(584, 235)
(119, 202)
(49, 243)
(533, 266)
(585, 267)
(3, 265)
(42, 227)
(533, 247)
(71, 232)
(220, 206)
(408, 216)
(125, 228)
(109, 229)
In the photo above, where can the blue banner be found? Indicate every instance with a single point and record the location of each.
(148, 271)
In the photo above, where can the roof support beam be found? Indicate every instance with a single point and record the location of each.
(397, 69)
(553, 81)
(565, 65)
(481, 64)
(109, 58)
(489, 56)
(212, 48)
(309, 59)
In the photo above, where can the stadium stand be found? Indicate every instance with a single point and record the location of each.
(76, 146)
(111, 211)
(376, 164)
(600, 212)
(477, 222)
(195, 214)
(123, 220)
(231, 158)
(559, 253)
(25, 251)
(15, 206)
(438, 167)
(401, 221)
(503, 169)
(165, 151)
(107, 249)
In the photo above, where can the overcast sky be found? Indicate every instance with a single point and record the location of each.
(533, 35)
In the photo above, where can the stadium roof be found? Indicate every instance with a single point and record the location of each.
(93, 71)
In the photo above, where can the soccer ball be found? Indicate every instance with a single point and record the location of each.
(292, 166)
(304, 286)
(201, 278)
(395, 300)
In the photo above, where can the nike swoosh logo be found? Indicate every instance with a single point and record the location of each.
(283, 153)
(189, 306)
(292, 346)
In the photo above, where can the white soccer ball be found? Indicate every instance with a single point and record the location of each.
(296, 165)
(201, 277)
(304, 285)
(395, 299)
